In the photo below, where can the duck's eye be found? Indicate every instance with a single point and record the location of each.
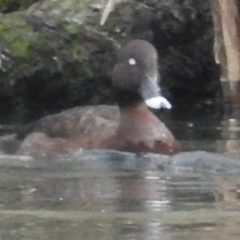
(132, 61)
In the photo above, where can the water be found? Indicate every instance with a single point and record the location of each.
(111, 195)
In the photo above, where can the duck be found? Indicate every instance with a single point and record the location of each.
(130, 126)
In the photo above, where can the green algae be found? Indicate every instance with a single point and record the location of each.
(15, 32)
(71, 28)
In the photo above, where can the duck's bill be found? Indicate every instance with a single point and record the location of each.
(150, 92)
(158, 102)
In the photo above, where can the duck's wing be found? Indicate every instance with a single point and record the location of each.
(78, 120)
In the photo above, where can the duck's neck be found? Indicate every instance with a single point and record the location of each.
(128, 99)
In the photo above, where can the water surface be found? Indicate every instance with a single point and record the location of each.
(111, 195)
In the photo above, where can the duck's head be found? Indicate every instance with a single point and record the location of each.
(135, 76)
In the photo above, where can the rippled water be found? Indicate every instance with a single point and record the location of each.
(112, 195)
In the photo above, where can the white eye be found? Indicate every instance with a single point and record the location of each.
(132, 61)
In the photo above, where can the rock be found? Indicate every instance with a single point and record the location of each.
(7, 6)
(183, 34)
(55, 54)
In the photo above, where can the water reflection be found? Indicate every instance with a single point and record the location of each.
(106, 195)
(75, 198)
(205, 128)
(231, 131)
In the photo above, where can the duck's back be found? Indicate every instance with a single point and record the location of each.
(102, 119)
